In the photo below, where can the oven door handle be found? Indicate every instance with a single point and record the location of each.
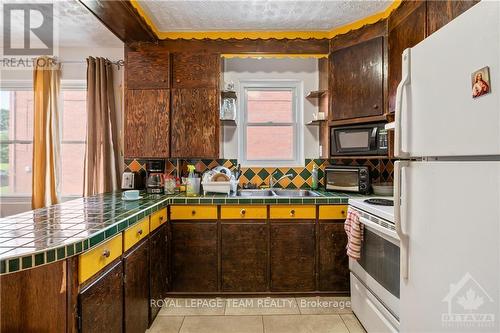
(380, 231)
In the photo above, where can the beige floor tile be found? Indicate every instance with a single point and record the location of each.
(222, 324)
(304, 324)
(193, 307)
(324, 305)
(352, 323)
(166, 324)
(261, 306)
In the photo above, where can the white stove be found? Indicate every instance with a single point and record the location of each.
(384, 212)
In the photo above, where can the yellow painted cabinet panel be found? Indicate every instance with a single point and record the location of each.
(135, 233)
(91, 262)
(333, 212)
(158, 218)
(243, 212)
(193, 212)
(293, 212)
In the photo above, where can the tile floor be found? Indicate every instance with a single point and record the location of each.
(257, 315)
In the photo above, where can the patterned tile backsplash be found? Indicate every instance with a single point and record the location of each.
(381, 170)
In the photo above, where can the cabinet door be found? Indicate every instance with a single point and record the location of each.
(244, 256)
(195, 70)
(358, 80)
(147, 68)
(195, 123)
(136, 288)
(101, 303)
(147, 123)
(194, 256)
(440, 13)
(292, 256)
(333, 261)
(406, 32)
(158, 267)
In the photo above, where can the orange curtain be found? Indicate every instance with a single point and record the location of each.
(102, 158)
(46, 133)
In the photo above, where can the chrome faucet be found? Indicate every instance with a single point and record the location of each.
(272, 181)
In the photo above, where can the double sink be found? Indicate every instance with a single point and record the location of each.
(276, 193)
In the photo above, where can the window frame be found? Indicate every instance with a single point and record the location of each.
(296, 86)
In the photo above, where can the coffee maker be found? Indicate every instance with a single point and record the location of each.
(155, 180)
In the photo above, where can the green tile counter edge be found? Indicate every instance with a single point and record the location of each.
(121, 215)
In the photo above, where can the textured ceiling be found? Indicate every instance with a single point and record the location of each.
(257, 15)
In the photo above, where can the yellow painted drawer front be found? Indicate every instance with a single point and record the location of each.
(293, 212)
(193, 212)
(333, 212)
(157, 219)
(91, 262)
(243, 212)
(135, 233)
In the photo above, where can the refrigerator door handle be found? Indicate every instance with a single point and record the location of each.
(400, 214)
(405, 80)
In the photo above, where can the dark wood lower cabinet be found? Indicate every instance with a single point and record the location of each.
(101, 302)
(158, 268)
(244, 256)
(333, 260)
(136, 288)
(194, 256)
(293, 256)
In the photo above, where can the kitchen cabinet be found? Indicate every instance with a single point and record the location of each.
(147, 123)
(136, 287)
(406, 29)
(244, 255)
(333, 267)
(100, 303)
(194, 256)
(148, 67)
(440, 13)
(195, 123)
(195, 70)
(358, 80)
(158, 268)
(293, 256)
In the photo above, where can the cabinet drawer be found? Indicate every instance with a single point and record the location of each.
(193, 212)
(91, 262)
(243, 212)
(135, 233)
(333, 212)
(293, 212)
(157, 219)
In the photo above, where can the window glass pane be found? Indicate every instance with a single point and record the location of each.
(15, 168)
(269, 143)
(269, 106)
(16, 115)
(72, 168)
(74, 115)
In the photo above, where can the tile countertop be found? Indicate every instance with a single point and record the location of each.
(54, 233)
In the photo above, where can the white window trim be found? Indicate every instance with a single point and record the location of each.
(298, 91)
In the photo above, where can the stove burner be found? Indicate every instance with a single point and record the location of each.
(380, 202)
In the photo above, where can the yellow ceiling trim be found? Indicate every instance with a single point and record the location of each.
(273, 55)
(264, 34)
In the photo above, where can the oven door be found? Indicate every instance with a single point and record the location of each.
(378, 268)
(354, 140)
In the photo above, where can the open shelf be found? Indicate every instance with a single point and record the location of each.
(316, 94)
(315, 122)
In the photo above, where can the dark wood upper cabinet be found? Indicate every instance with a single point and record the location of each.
(147, 68)
(158, 268)
(440, 12)
(147, 123)
(194, 256)
(406, 29)
(195, 123)
(136, 288)
(358, 80)
(333, 260)
(244, 256)
(195, 70)
(101, 302)
(293, 256)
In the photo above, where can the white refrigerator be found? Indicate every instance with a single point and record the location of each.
(447, 182)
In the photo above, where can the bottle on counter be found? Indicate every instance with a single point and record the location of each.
(314, 177)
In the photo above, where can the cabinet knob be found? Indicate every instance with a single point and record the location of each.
(342, 212)
(375, 106)
(243, 212)
(193, 212)
(292, 212)
(333, 235)
(106, 253)
(177, 80)
(139, 232)
(161, 218)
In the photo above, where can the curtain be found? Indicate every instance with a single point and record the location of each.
(46, 133)
(102, 157)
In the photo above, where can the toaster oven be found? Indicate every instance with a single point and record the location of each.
(347, 178)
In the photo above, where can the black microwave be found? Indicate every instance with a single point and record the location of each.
(368, 139)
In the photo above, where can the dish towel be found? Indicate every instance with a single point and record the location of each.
(354, 230)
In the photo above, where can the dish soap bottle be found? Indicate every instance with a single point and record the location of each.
(314, 184)
(191, 188)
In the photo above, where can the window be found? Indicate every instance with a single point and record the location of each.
(271, 121)
(16, 139)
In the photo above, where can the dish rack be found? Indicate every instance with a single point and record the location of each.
(220, 187)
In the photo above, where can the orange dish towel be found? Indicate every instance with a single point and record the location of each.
(354, 231)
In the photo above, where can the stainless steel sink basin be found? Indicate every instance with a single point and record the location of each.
(255, 193)
(295, 193)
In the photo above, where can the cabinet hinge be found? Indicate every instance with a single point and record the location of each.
(79, 323)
